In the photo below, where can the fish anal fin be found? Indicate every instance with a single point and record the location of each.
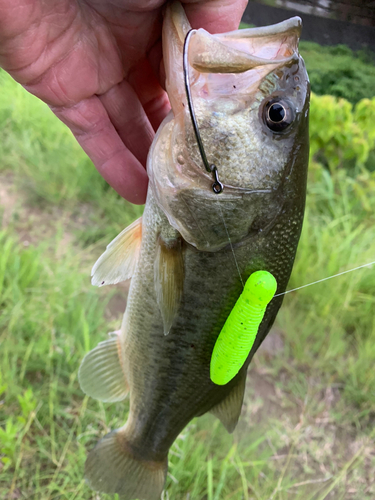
(101, 373)
(229, 409)
(169, 278)
(112, 467)
(118, 262)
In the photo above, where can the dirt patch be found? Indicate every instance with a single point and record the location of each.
(273, 343)
(309, 443)
(8, 198)
(117, 303)
(34, 224)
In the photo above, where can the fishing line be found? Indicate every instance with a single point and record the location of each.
(325, 279)
(230, 243)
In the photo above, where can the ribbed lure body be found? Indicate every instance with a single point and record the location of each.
(241, 327)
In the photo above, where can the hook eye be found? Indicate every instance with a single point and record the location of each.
(217, 186)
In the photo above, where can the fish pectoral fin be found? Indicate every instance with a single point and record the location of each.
(118, 262)
(228, 411)
(101, 375)
(169, 279)
(111, 467)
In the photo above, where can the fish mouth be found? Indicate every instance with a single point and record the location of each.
(242, 50)
(259, 49)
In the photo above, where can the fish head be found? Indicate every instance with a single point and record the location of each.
(250, 96)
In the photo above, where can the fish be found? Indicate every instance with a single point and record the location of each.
(193, 248)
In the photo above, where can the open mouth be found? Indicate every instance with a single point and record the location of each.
(242, 50)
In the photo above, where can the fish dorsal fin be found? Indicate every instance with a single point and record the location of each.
(101, 375)
(169, 278)
(228, 411)
(118, 262)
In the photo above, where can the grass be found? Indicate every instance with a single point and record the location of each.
(306, 431)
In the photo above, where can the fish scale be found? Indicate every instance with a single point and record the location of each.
(195, 325)
(183, 253)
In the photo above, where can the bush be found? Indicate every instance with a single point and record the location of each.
(339, 71)
(342, 135)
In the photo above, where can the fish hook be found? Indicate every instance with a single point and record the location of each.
(217, 186)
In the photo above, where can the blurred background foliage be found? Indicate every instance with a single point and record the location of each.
(307, 427)
(340, 71)
(342, 135)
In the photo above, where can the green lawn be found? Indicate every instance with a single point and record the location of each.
(306, 432)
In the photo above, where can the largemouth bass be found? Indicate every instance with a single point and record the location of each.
(190, 253)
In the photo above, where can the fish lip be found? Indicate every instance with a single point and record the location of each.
(289, 26)
(255, 62)
(238, 51)
(287, 33)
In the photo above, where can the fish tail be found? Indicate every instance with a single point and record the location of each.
(112, 467)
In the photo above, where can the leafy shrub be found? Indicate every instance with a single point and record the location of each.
(339, 71)
(342, 135)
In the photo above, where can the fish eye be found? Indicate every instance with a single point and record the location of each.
(278, 115)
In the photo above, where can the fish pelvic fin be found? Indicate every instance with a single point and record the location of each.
(229, 409)
(169, 279)
(118, 262)
(111, 467)
(101, 374)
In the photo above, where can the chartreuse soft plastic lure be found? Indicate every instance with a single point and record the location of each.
(241, 327)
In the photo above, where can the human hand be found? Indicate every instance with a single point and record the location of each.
(96, 63)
